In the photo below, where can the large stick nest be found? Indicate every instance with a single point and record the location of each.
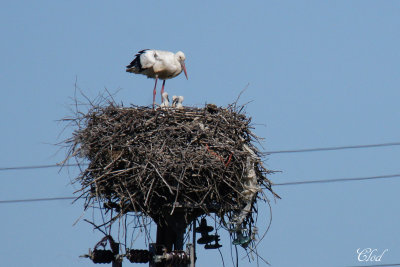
(154, 162)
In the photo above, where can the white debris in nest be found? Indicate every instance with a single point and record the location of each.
(250, 185)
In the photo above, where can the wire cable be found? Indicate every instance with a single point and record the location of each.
(379, 265)
(35, 199)
(268, 152)
(37, 167)
(279, 184)
(332, 148)
(339, 180)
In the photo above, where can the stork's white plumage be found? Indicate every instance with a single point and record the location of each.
(158, 64)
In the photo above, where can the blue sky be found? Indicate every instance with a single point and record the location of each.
(320, 73)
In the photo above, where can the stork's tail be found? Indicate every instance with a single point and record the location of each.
(136, 66)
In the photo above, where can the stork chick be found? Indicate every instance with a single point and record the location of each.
(165, 103)
(177, 101)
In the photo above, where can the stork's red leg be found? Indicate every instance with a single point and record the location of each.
(162, 89)
(154, 93)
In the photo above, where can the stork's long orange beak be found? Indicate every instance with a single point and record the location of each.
(184, 70)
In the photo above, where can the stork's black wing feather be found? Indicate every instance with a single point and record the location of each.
(136, 61)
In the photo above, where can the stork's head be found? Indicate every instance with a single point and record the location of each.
(165, 97)
(180, 56)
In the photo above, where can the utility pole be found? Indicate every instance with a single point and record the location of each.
(169, 240)
(115, 249)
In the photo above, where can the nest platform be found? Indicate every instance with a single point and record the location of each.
(159, 162)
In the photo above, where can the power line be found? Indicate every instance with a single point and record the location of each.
(280, 184)
(379, 265)
(35, 199)
(268, 152)
(38, 167)
(332, 148)
(339, 180)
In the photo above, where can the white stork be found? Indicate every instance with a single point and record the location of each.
(177, 101)
(165, 102)
(158, 64)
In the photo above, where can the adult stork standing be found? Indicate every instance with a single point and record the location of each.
(158, 64)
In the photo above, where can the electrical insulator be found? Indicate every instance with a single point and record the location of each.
(205, 239)
(203, 227)
(177, 257)
(102, 256)
(213, 246)
(138, 256)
